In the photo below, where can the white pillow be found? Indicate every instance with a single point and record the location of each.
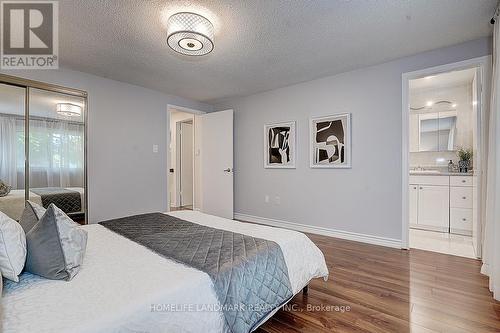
(12, 248)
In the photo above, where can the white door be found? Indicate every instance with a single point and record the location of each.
(186, 163)
(217, 163)
(413, 190)
(434, 207)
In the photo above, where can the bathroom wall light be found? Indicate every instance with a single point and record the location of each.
(190, 34)
(68, 109)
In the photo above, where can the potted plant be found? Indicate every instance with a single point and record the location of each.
(465, 157)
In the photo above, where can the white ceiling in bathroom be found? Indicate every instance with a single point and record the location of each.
(450, 79)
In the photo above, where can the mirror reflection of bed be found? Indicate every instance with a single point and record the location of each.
(54, 153)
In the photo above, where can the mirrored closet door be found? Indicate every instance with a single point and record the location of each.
(49, 167)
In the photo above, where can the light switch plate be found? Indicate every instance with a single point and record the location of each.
(155, 148)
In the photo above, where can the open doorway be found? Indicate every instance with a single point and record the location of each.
(182, 182)
(442, 158)
(200, 161)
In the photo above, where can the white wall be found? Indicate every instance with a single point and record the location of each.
(365, 199)
(125, 176)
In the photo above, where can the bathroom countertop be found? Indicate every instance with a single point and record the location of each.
(440, 173)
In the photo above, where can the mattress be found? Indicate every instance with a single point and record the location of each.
(121, 286)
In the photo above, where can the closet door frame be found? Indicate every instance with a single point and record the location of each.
(29, 84)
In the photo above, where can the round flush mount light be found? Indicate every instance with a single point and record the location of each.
(68, 109)
(190, 34)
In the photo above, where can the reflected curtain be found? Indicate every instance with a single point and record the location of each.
(491, 235)
(9, 152)
(56, 152)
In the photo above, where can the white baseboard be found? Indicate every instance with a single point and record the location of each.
(353, 236)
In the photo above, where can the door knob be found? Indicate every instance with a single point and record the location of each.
(227, 170)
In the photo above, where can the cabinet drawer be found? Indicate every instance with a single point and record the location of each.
(460, 197)
(460, 180)
(430, 180)
(461, 221)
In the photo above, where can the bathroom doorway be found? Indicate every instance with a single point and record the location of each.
(442, 158)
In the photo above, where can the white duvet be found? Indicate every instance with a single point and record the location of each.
(124, 287)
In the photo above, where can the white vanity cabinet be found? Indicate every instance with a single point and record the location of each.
(461, 203)
(433, 207)
(413, 193)
(441, 203)
(430, 203)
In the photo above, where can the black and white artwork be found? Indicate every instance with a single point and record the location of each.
(331, 141)
(279, 145)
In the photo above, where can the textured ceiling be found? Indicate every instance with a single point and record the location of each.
(259, 45)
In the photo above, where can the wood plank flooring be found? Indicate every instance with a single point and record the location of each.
(378, 289)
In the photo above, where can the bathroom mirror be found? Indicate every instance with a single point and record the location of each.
(437, 131)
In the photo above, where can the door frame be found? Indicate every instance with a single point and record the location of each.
(195, 112)
(178, 160)
(484, 63)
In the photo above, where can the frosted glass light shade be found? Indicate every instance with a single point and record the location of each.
(68, 109)
(190, 34)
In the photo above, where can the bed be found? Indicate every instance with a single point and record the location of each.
(69, 199)
(125, 287)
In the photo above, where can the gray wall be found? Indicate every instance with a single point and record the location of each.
(125, 176)
(365, 199)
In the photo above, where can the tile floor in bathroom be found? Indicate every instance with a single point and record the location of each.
(457, 245)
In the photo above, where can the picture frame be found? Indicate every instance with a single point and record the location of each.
(330, 141)
(280, 144)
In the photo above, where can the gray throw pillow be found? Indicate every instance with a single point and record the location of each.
(31, 214)
(56, 246)
(4, 189)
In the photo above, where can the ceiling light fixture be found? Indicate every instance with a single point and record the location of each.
(454, 105)
(190, 34)
(429, 103)
(68, 109)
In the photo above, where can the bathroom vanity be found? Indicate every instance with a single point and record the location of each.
(442, 202)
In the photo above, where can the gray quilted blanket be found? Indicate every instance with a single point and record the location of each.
(250, 275)
(67, 200)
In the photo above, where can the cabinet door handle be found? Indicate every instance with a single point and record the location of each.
(464, 198)
(414, 187)
(463, 180)
(464, 219)
(421, 188)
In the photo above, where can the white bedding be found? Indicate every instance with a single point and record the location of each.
(13, 203)
(120, 281)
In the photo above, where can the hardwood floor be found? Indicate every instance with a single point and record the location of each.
(389, 290)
